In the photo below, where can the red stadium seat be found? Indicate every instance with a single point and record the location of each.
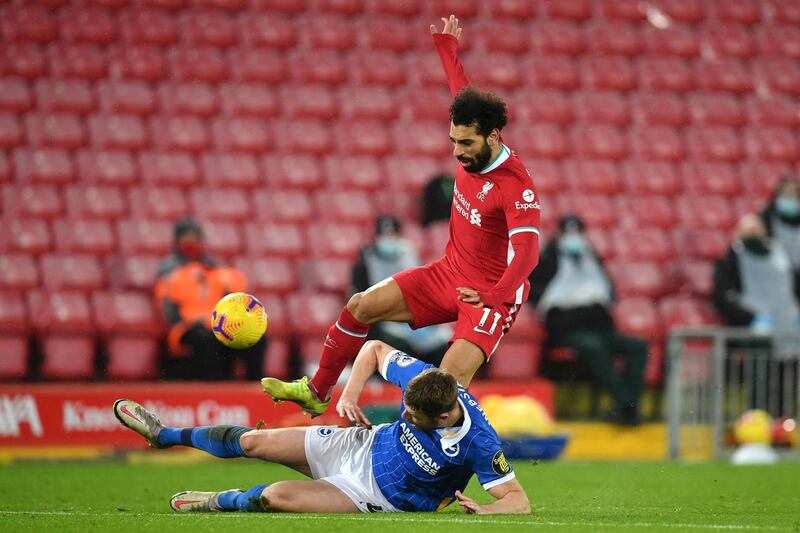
(559, 37)
(132, 357)
(15, 95)
(367, 138)
(665, 74)
(223, 239)
(610, 38)
(126, 132)
(368, 103)
(138, 272)
(37, 201)
(701, 178)
(242, 134)
(743, 11)
(248, 99)
(25, 60)
(369, 67)
(149, 26)
(603, 107)
(165, 203)
(14, 363)
(328, 275)
(781, 75)
(126, 312)
(275, 239)
(677, 40)
(575, 10)
(139, 62)
(319, 312)
(513, 9)
(353, 172)
(645, 211)
(547, 175)
(778, 41)
(144, 237)
(294, 171)
(542, 106)
(328, 68)
(379, 28)
(192, 98)
(504, 36)
(283, 205)
(83, 24)
(329, 240)
(657, 143)
(11, 134)
(685, 311)
(695, 277)
(179, 133)
(346, 206)
(712, 212)
(270, 274)
(60, 312)
(29, 236)
(84, 236)
(594, 209)
(78, 61)
(70, 96)
(759, 178)
(729, 40)
(651, 177)
(705, 244)
(609, 72)
(465, 8)
(13, 313)
(660, 109)
(555, 72)
(717, 109)
(498, 71)
(546, 141)
(269, 30)
(279, 321)
(515, 358)
(18, 272)
(591, 176)
(276, 363)
(29, 22)
(773, 110)
(231, 170)
(691, 11)
(772, 144)
(5, 168)
(202, 63)
(429, 138)
(412, 173)
(96, 202)
(426, 71)
(304, 137)
(67, 356)
(221, 5)
(223, 204)
(44, 165)
(309, 101)
(209, 27)
(341, 7)
(432, 103)
(642, 244)
(168, 168)
(136, 97)
(57, 130)
(72, 272)
(258, 65)
(715, 143)
(599, 141)
(330, 32)
(639, 317)
(729, 74)
(637, 279)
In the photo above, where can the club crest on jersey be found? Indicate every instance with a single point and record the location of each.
(500, 464)
(452, 451)
(325, 432)
(486, 188)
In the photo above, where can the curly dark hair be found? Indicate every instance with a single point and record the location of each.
(484, 110)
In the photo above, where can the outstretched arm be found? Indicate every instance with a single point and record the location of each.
(446, 43)
(370, 358)
(511, 498)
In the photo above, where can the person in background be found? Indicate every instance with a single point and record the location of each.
(573, 292)
(754, 283)
(388, 254)
(437, 199)
(189, 284)
(782, 217)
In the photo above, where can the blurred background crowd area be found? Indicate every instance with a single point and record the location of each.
(284, 127)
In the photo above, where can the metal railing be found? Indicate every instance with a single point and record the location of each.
(714, 374)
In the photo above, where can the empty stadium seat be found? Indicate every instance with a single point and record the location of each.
(772, 144)
(701, 243)
(209, 27)
(729, 40)
(43, 165)
(139, 62)
(594, 209)
(25, 60)
(603, 107)
(231, 170)
(132, 357)
(18, 272)
(25, 235)
(773, 110)
(37, 201)
(715, 178)
(72, 272)
(278, 316)
(541, 140)
(412, 173)
(599, 141)
(657, 143)
(402, 40)
(717, 109)
(203, 63)
(542, 106)
(778, 41)
(125, 97)
(368, 103)
(639, 317)
(324, 67)
(70, 96)
(223, 239)
(84, 236)
(58, 130)
(221, 204)
(695, 277)
(336, 240)
(711, 212)
(269, 30)
(68, 356)
(304, 137)
(168, 169)
(724, 74)
(515, 358)
(248, 99)
(377, 68)
(294, 171)
(143, 236)
(559, 37)
(676, 40)
(616, 37)
(275, 239)
(498, 71)
(353, 172)
(759, 177)
(96, 201)
(14, 363)
(637, 279)
(678, 311)
(241, 134)
(331, 32)
(665, 74)
(425, 138)
(309, 101)
(642, 244)
(167, 203)
(149, 26)
(60, 312)
(328, 275)
(504, 36)
(593, 176)
(645, 211)
(179, 133)
(138, 272)
(191, 98)
(513, 9)
(276, 363)
(128, 313)
(89, 25)
(32, 22)
(258, 65)
(11, 133)
(651, 177)
(126, 132)
(82, 61)
(615, 73)
(367, 138)
(742, 11)
(778, 74)
(555, 72)
(287, 205)
(715, 143)
(346, 206)
(547, 175)
(269, 274)
(319, 312)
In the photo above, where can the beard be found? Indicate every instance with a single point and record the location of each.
(479, 162)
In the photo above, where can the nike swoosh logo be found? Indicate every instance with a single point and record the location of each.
(181, 503)
(124, 410)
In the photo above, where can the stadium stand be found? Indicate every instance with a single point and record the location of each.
(285, 126)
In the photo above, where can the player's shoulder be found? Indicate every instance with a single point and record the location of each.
(514, 173)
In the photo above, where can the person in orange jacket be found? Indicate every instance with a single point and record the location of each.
(189, 284)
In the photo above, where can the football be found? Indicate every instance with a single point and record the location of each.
(239, 320)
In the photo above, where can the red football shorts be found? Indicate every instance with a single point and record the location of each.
(431, 295)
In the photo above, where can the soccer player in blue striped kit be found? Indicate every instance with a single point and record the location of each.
(421, 462)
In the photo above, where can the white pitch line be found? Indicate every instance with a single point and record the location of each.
(437, 520)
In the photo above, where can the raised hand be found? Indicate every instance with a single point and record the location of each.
(451, 27)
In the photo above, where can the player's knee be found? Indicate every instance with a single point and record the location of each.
(252, 441)
(359, 306)
(276, 497)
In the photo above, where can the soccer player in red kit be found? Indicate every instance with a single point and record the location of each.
(480, 282)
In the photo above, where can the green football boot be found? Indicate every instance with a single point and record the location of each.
(296, 391)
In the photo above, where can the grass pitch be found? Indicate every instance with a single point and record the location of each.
(568, 496)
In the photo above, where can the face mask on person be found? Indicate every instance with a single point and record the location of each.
(192, 250)
(787, 206)
(573, 243)
(387, 246)
(756, 245)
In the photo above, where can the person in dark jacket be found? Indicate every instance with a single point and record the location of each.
(437, 199)
(572, 290)
(781, 217)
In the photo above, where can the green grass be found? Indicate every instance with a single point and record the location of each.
(118, 496)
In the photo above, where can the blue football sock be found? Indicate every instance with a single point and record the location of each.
(235, 500)
(220, 441)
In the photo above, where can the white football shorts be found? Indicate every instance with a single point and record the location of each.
(343, 458)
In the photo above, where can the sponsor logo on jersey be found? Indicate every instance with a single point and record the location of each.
(417, 452)
(500, 464)
(486, 188)
(475, 218)
(325, 432)
(530, 202)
